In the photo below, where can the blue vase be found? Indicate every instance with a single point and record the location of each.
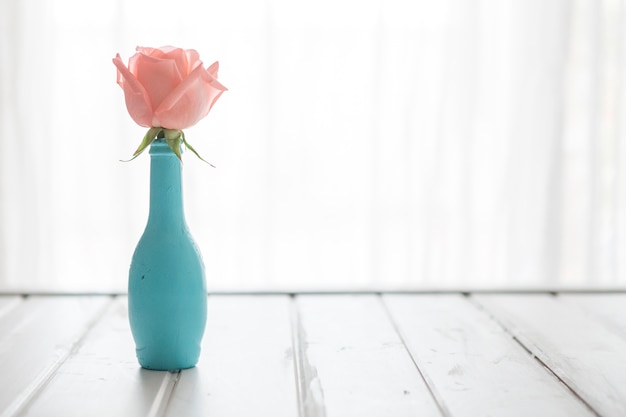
(166, 288)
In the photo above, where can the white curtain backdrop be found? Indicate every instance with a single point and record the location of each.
(362, 144)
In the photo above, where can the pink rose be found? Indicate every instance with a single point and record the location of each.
(168, 87)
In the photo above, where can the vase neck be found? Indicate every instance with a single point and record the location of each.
(166, 197)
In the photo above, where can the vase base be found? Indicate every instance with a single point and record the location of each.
(157, 361)
(149, 368)
(165, 367)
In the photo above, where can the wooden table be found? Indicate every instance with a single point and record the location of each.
(366, 354)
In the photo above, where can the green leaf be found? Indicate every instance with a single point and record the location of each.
(148, 138)
(188, 146)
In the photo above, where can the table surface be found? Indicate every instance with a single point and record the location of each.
(426, 354)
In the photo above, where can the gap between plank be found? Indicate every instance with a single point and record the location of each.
(431, 388)
(164, 395)
(308, 386)
(341, 291)
(20, 403)
(529, 349)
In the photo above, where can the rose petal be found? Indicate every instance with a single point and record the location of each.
(137, 100)
(213, 69)
(156, 52)
(147, 50)
(190, 101)
(186, 59)
(181, 58)
(158, 76)
(193, 60)
(212, 73)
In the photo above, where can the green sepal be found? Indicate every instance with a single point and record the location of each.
(148, 138)
(188, 146)
(173, 138)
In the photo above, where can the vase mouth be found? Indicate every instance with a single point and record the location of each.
(160, 147)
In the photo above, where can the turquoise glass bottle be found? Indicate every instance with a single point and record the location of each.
(166, 289)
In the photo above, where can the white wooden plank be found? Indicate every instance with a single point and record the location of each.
(353, 362)
(35, 338)
(103, 377)
(588, 357)
(607, 308)
(246, 365)
(474, 367)
(9, 302)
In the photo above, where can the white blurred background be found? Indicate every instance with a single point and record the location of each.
(381, 144)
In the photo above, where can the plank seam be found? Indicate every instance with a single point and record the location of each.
(321, 291)
(310, 401)
(547, 368)
(22, 401)
(429, 384)
(528, 347)
(165, 394)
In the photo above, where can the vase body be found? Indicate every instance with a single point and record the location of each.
(166, 288)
